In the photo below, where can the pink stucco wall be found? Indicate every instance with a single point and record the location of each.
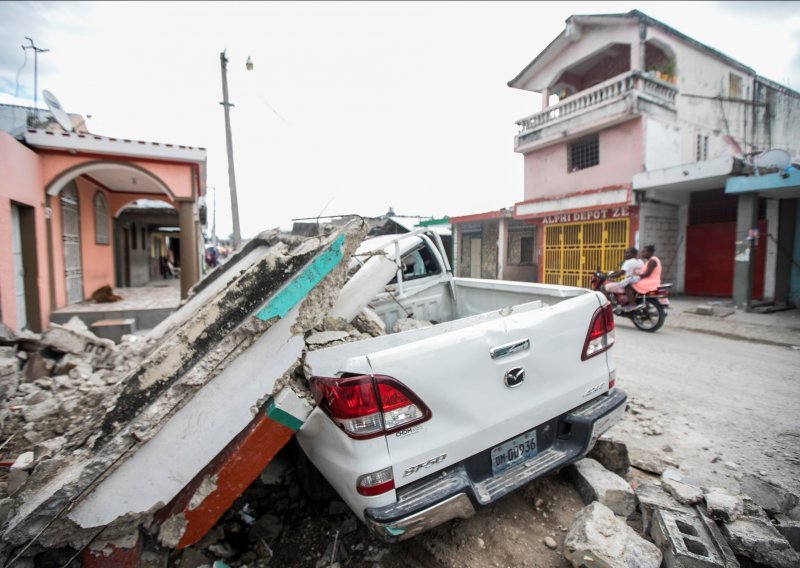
(20, 183)
(621, 156)
(97, 260)
(25, 176)
(177, 177)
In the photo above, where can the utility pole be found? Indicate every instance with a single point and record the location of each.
(237, 236)
(36, 52)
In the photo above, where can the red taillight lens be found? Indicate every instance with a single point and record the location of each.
(601, 332)
(368, 406)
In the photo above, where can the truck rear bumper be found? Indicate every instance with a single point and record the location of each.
(453, 494)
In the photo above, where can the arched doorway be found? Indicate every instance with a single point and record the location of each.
(71, 240)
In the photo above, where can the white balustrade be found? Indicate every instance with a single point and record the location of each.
(601, 94)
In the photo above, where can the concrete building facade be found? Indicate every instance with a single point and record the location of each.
(641, 128)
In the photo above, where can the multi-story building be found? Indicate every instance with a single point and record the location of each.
(647, 136)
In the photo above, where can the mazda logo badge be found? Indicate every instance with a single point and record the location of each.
(514, 377)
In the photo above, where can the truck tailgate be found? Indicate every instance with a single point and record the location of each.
(473, 408)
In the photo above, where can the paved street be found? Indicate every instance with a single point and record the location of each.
(738, 399)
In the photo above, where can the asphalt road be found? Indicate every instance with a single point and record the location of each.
(726, 406)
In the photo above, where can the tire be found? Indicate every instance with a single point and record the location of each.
(651, 318)
(313, 483)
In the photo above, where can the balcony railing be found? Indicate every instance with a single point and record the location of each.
(601, 94)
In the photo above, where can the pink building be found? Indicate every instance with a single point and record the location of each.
(60, 195)
(642, 134)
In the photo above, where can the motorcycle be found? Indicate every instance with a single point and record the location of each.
(650, 313)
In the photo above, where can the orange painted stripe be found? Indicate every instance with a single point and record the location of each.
(235, 467)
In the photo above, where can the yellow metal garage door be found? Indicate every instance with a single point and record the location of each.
(573, 251)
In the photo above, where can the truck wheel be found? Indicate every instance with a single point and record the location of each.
(651, 318)
(314, 484)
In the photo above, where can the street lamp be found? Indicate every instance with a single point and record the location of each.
(223, 61)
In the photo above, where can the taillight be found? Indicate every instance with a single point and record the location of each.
(367, 406)
(376, 482)
(601, 332)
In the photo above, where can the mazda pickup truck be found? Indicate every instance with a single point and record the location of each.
(511, 381)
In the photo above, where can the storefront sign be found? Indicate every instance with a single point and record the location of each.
(578, 216)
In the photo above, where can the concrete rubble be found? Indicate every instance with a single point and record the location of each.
(596, 483)
(692, 526)
(85, 416)
(600, 539)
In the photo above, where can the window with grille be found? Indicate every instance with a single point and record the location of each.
(100, 219)
(701, 150)
(583, 153)
(526, 250)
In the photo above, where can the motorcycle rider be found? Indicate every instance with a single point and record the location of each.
(628, 267)
(650, 277)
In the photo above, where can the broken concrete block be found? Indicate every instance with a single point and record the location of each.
(769, 495)
(8, 386)
(599, 539)
(36, 367)
(683, 492)
(369, 322)
(612, 454)
(651, 498)
(759, 541)
(789, 528)
(326, 337)
(39, 411)
(8, 366)
(686, 542)
(85, 344)
(724, 507)
(596, 483)
(8, 352)
(16, 479)
(649, 461)
(123, 551)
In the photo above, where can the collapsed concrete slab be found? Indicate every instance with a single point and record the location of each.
(208, 370)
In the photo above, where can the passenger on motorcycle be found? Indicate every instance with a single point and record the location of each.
(650, 277)
(628, 267)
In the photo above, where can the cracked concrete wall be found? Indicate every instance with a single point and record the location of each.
(192, 356)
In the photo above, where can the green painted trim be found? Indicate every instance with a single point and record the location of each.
(440, 221)
(282, 417)
(297, 288)
(394, 531)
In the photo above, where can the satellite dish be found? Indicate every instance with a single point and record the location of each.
(775, 158)
(58, 111)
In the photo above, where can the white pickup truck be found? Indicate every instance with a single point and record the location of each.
(513, 380)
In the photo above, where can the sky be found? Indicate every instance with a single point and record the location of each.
(351, 107)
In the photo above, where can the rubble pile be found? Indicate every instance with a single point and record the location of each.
(57, 387)
(677, 521)
(76, 408)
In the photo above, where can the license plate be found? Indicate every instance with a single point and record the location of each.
(520, 449)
